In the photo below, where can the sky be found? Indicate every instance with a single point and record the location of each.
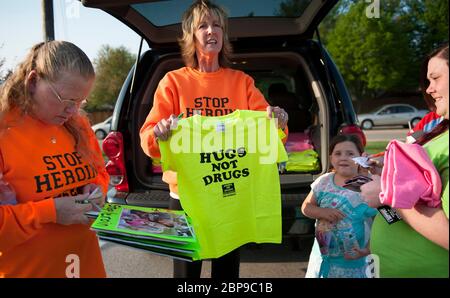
(88, 28)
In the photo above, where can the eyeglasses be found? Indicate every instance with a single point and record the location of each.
(67, 103)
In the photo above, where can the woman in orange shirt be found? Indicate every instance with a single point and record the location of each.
(206, 86)
(52, 160)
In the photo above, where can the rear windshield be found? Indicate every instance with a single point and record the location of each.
(163, 13)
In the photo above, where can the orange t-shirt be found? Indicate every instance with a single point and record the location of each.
(40, 162)
(189, 91)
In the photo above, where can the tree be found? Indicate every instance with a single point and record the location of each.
(329, 22)
(111, 66)
(431, 24)
(383, 54)
(291, 8)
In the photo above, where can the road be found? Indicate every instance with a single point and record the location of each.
(386, 134)
(257, 261)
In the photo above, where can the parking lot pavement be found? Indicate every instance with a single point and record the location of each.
(380, 134)
(257, 261)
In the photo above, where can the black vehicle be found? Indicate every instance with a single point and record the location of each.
(277, 51)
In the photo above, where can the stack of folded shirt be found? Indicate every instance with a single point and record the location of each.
(304, 161)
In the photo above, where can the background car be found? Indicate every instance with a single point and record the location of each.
(393, 114)
(102, 129)
(278, 51)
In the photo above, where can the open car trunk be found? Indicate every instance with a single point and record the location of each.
(159, 21)
(270, 44)
(286, 81)
(285, 78)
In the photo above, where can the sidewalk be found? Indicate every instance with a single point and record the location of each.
(270, 261)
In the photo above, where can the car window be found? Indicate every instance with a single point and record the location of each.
(386, 111)
(404, 109)
(163, 13)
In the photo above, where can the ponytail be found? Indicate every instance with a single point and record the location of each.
(439, 129)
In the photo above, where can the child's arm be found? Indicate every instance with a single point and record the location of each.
(311, 209)
(358, 253)
(362, 252)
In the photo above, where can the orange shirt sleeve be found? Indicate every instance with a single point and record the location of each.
(19, 223)
(164, 104)
(256, 100)
(102, 178)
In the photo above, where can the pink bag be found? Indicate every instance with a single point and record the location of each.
(297, 142)
(409, 177)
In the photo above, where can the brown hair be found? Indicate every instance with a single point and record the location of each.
(340, 138)
(49, 59)
(437, 130)
(441, 52)
(191, 18)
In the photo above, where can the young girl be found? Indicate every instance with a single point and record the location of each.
(343, 218)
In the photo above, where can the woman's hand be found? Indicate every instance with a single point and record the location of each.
(162, 128)
(332, 215)
(69, 212)
(95, 195)
(89, 188)
(376, 164)
(280, 114)
(370, 192)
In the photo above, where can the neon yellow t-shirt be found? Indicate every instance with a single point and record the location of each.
(228, 178)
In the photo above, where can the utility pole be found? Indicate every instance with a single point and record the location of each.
(47, 19)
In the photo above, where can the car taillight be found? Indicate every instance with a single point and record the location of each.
(356, 130)
(113, 148)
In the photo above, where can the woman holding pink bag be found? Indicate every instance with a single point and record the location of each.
(417, 245)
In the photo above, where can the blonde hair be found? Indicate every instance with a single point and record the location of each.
(49, 59)
(191, 18)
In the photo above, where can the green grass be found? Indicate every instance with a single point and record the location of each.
(375, 147)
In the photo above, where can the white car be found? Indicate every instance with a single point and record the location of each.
(392, 114)
(102, 129)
